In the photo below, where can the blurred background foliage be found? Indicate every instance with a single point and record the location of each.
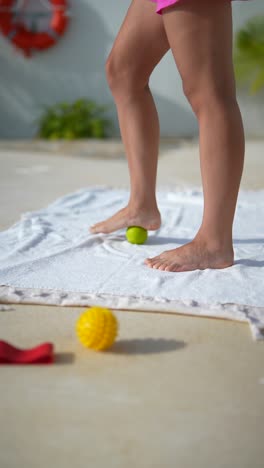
(249, 54)
(83, 118)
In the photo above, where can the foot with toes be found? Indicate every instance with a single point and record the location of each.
(147, 218)
(196, 255)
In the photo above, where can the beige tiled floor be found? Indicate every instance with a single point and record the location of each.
(174, 391)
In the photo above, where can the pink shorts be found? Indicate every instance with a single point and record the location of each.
(165, 3)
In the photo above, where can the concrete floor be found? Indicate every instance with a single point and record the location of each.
(174, 391)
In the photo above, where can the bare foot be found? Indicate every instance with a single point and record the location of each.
(147, 218)
(196, 255)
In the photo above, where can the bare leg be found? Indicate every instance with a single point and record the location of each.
(139, 46)
(200, 36)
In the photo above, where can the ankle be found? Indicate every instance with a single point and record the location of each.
(215, 242)
(136, 205)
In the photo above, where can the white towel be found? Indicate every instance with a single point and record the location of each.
(49, 257)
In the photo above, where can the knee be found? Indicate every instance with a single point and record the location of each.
(203, 95)
(191, 92)
(113, 71)
(123, 76)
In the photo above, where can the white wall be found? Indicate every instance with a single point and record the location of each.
(75, 68)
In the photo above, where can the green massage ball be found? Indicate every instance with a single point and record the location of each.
(136, 235)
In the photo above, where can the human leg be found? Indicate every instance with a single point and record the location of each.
(138, 48)
(200, 37)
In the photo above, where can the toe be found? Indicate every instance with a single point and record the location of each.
(95, 227)
(100, 228)
(155, 259)
(162, 266)
(150, 261)
(150, 264)
(147, 261)
(170, 266)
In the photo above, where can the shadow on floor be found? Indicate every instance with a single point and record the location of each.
(64, 358)
(177, 240)
(146, 346)
(249, 262)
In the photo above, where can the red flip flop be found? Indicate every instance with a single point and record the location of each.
(41, 354)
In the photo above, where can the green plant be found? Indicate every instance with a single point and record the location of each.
(249, 54)
(81, 119)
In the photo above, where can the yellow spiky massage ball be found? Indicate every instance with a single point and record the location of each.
(97, 328)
